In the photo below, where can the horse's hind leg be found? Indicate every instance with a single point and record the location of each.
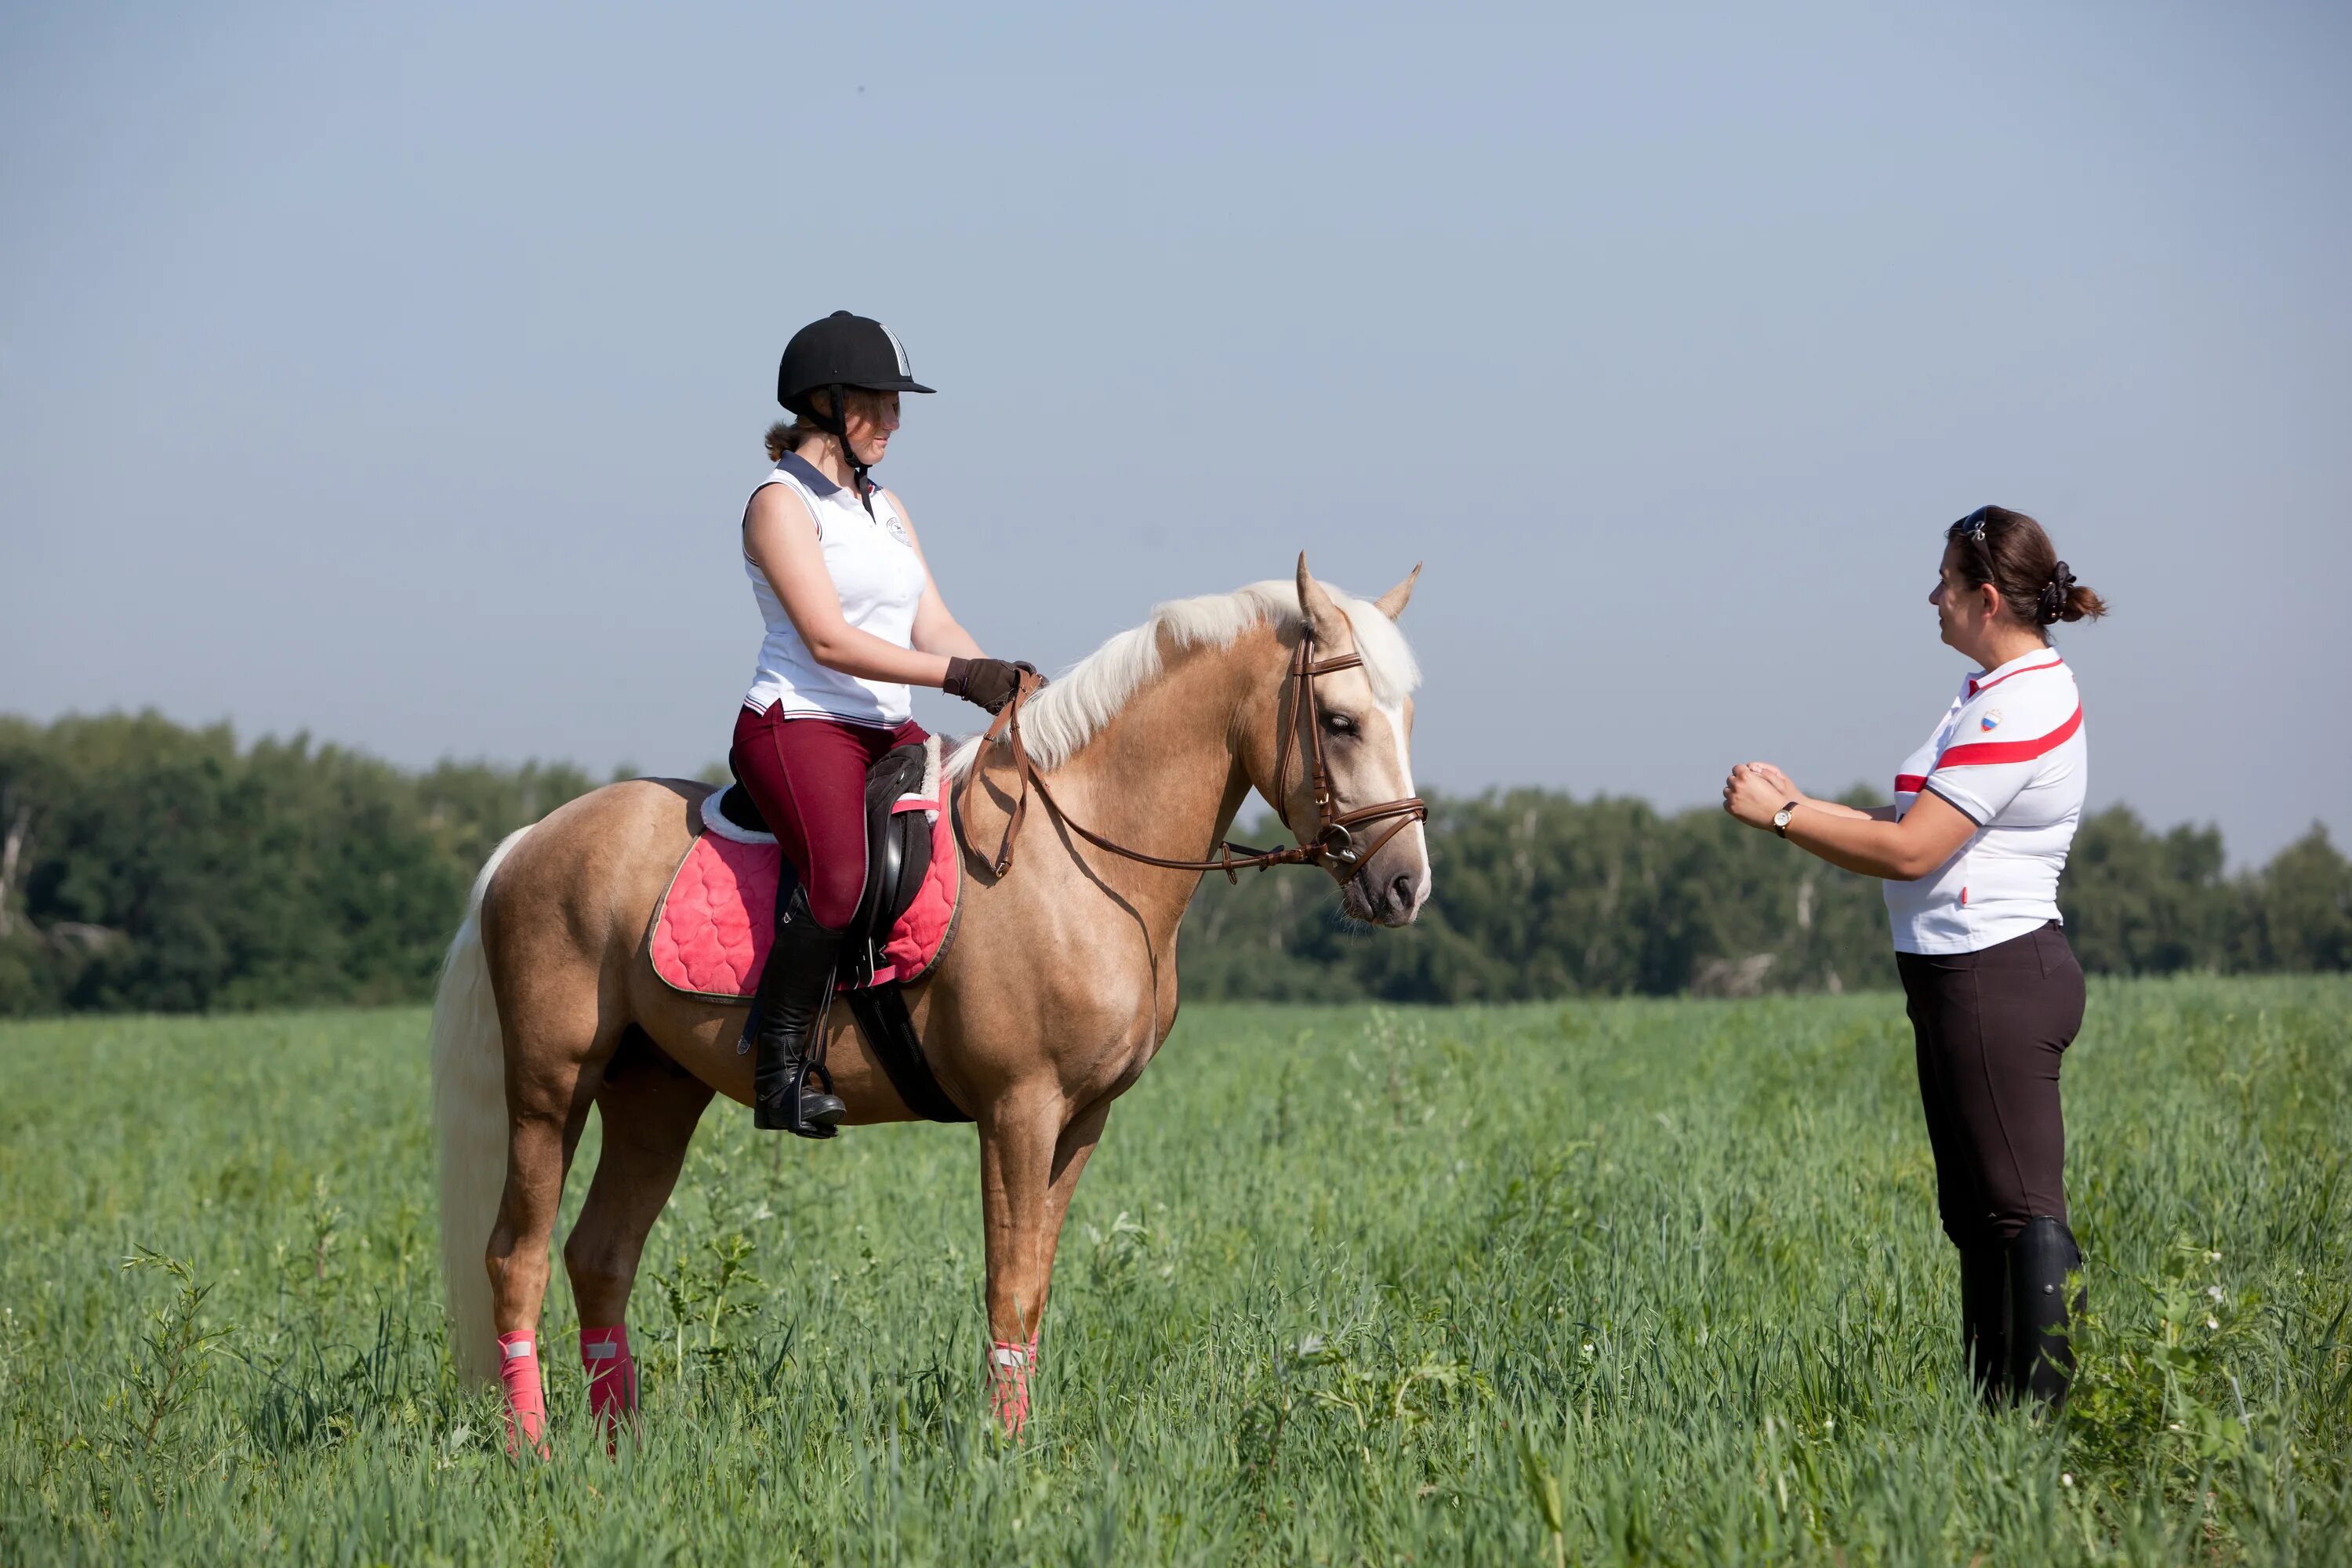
(650, 1107)
(557, 1044)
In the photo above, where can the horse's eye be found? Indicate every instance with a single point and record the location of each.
(1338, 723)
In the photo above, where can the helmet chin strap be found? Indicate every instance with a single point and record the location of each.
(837, 426)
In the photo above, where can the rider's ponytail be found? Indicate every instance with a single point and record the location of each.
(789, 434)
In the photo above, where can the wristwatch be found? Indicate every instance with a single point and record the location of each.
(1781, 818)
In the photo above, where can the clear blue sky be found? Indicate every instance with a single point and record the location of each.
(398, 374)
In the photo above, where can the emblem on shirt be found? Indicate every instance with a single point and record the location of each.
(1992, 720)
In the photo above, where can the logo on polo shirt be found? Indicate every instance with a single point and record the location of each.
(1992, 720)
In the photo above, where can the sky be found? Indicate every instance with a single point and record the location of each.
(397, 374)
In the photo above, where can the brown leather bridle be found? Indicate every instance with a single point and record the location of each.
(1334, 832)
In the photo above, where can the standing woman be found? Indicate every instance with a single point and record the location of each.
(853, 621)
(1971, 852)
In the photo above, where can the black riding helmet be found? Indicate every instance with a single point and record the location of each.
(843, 350)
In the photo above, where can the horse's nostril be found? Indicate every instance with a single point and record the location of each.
(1400, 890)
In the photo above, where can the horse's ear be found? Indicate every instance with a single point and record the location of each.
(1392, 603)
(1323, 616)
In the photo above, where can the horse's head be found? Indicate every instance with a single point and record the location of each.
(1342, 723)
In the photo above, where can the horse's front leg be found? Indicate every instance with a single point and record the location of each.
(1031, 1153)
(1071, 1153)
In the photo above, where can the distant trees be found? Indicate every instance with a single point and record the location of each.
(146, 866)
(1540, 895)
(2297, 915)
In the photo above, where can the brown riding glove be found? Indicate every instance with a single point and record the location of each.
(988, 683)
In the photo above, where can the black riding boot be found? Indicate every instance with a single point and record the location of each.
(2041, 1363)
(1984, 1319)
(783, 1028)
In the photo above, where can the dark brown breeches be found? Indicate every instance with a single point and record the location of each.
(1989, 1028)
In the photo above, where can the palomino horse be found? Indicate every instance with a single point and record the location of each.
(1058, 988)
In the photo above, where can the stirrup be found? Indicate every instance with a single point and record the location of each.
(802, 1119)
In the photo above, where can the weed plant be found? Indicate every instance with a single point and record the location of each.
(1622, 1282)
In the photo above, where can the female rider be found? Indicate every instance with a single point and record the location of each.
(853, 620)
(1971, 853)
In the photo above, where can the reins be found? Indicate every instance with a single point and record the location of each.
(1334, 842)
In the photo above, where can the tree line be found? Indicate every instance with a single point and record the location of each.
(147, 866)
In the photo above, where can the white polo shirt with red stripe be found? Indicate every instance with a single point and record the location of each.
(2009, 756)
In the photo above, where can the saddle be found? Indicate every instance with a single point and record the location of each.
(898, 856)
(711, 931)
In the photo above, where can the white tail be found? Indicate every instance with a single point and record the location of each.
(470, 1124)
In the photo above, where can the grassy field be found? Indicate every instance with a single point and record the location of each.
(1598, 1282)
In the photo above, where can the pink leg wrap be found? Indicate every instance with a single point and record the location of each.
(1009, 1367)
(612, 1375)
(526, 1396)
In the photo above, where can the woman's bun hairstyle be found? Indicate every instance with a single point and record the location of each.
(2009, 550)
(2064, 599)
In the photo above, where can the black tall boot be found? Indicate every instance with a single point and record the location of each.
(786, 1017)
(1984, 1317)
(2041, 1361)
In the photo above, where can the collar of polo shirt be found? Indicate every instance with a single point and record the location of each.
(2040, 659)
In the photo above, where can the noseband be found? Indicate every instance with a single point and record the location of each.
(1334, 843)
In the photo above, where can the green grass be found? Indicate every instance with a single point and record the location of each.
(1342, 1286)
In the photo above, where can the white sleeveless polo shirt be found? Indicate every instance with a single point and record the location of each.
(880, 580)
(2008, 754)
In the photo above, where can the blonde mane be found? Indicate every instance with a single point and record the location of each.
(1068, 713)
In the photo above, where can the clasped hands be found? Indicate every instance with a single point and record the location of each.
(1755, 791)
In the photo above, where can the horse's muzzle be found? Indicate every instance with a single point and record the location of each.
(1391, 889)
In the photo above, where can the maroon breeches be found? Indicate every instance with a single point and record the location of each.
(808, 778)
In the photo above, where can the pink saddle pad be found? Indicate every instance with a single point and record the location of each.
(714, 928)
